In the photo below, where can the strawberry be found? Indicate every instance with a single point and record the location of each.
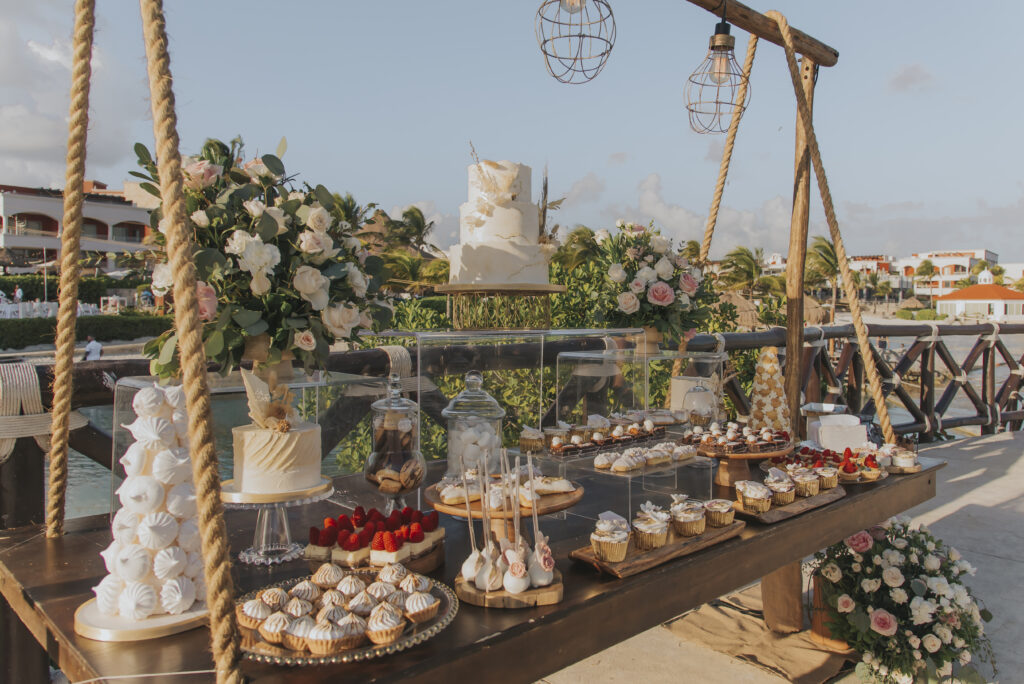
(328, 537)
(415, 527)
(416, 517)
(392, 524)
(365, 537)
(314, 535)
(359, 516)
(416, 535)
(406, 515)
(805, 450)
(849, 467)
(391, 544)
(396, 516)
(819, 464)
(430, 521)
(344, 523)
(374, 514)
(378, 541)
(351, 543)
(848, 453)
(330, 522)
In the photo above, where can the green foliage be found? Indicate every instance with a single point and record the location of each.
(90, 288)
(417, 315)
(18, 333)
(926, 315)
(905, 314)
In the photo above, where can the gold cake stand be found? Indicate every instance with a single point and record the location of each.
(500, 306)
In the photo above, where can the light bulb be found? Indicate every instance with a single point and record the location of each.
(719, 73)
(572, 6)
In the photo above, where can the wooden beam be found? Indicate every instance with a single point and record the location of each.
(754, 22)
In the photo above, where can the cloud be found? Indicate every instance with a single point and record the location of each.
(715, 149)
(910, 78)
(616, 158)
(586, 190)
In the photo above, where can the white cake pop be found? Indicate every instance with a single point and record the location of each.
(188, 536)
(133, 563)
(136, 457)
(149, 402)
(174, 395)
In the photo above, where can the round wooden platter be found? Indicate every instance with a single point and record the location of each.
(735, 467)
(92, 624)
(542, 596)
(747, 455)
(548, 503)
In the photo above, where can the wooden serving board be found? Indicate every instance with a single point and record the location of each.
(801, 505)
(549, 503)
(677, 546)
(747, 455)
(542, 596)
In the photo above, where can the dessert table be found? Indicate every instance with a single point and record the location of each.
(44, 581)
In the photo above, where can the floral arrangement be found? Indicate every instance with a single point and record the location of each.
(275, 264)
(648, 284)
(897, 595)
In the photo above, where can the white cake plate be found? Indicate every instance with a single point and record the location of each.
(272, 540)
(92, 624)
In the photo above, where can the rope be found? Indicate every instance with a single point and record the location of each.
(216, 562)
(730, 142)
(399, 360)
(70, 243)
(849, 288)
(21, 409)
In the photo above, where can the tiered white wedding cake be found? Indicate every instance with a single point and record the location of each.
(499, 230)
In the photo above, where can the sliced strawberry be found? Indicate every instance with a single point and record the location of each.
(351, 542)
(416, 535)
(849, 467)
(378, 541)
(416, 517)
(391, 544)
(430, 521)
(314, 535)
(819, 464)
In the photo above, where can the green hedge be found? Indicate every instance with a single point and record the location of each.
(90, 288)
(905, 314)
(18, 333)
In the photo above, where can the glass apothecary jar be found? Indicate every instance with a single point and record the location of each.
(395, 467)
(474, 429)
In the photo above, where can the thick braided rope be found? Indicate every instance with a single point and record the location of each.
(730, 143)
(849, 288)
(216, 562)
(70, 244)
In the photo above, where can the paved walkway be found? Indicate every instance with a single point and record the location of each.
(979, 509)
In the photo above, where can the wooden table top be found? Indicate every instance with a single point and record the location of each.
(44, 581)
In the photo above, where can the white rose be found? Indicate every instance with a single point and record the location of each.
(259, 257)
(917, 655)
(921, 610)
(682, 300)
(647, 274)
(628, 303)
(939, 586)
(932, 563)
(899, 543)
(892, 577)
(696, 273)
(664, 268)
(954, 555)
(616, 273)
(899, 596)
(637, 286)
(944, 633)
(312, 285)
(357, 281)
(855, 567)
(965, 657)
(237, 242)
(200, 218)
(163, 279)
(319, 219)
(929, 545)
(313, 242)
(297, 195)
(931, 643)
(254, 207)
(914, 641)
(958, 642)
(660, 244)
(831, 572)
(260, 284)
(601, 235)
(304, 339)
(870, 585)
(279, 217)
(340, 319)
(620, 224)
(845, 604)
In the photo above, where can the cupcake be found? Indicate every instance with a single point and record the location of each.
(392, 573)
(273, 628)
(351, 585)
(782, 487)
(324, 639)
(806, 483)
(610, 540)
(755, 497)
(385, 624)
(353, 631)
(719, 512)
(688, 521)
(295, 633)
(252, 613)
(325, 577)
(828, 477)
(531, 440)
(421, 606)
(650, 527)
(275, 597)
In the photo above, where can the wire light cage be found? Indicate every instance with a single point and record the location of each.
(576, 37)
(712, 91)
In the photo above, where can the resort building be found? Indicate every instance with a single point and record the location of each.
(30, 223)
(951, 266)
(983, 300)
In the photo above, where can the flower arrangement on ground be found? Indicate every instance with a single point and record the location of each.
(897, 595)
(648, 284)
(274, 263)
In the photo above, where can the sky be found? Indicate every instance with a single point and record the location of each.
(918, 123)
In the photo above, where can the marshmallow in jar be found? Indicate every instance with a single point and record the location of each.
(474, 428)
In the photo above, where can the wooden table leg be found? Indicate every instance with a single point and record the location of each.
(22, 658)
(782, 596)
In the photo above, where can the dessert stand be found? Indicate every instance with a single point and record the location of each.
(735, 467)
(501, 521)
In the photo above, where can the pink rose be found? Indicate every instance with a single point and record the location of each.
(845, 604)
(305, 340)
(883, 622)
(201, 174)
(661, 294)
(690, 334)
(860, 542)
(688, 284)
(637, 285)
(628, 303)
(207, 297)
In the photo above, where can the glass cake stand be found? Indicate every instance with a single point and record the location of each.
(272, 539)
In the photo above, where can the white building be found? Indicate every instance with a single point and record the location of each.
(951, 266)
(984, 300)
(30, 222)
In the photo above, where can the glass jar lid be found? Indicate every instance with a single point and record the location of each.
(394, 401)
(474, 401)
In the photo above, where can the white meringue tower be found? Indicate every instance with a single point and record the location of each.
(154, 584)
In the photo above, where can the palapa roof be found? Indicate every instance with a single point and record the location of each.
(986, 292)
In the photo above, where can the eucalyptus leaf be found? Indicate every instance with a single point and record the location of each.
(167, 351)
(246, 318)
(302, 213)
(215, 343)
(918, 587)
(986, 614)
(860, 620)
(282, 147)
(142, 152)
(238, 176)
(324, 196)
(257, 328)
(273, 164)
(150, 188)
(266, 227)
(143, 176)
(208, 261)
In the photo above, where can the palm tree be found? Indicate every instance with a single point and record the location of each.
(925, 270)
(579, 248)
(998, 272)
(351, 211)
(742, 269)
(412, 272)
(824, 264)
(415, 229)
(884, 289)
(691, 250)
(873, 280)
(979, 266)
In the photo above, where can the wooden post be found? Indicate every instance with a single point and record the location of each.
(781, 597)
(927, 391)
(798, 251)
(988, 387)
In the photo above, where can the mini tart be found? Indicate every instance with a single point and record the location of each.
(324, 639)
(350, 585)
(275, 597)
(719, 512)
(421, 606)
(397, 598)
(295, 633)
(828, 477)
(331, 614)
(361, 604)
(849, 477)
(413, 583)
(332, 597)
(252, 613)
(385, 624)
(297, 607)
(272, 629)
(305, 590)
(689, 522)
(353, 630)
(380, 590)
(327, 576)
(870, 474)
(392, 574)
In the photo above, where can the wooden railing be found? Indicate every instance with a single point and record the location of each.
(837, 377)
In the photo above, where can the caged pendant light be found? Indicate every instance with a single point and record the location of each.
(712, 91)
(576, 37)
